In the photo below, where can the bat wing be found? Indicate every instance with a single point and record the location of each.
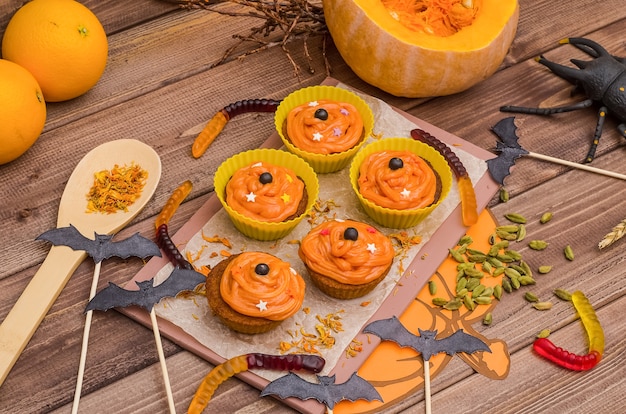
(355, 388)
(459, 342)
(292, 385)
(112, 296)
(506, 130)
(392, 330)
(327, 392)
(178, 281)
(135, 245)
(500, 167)
(68, 236)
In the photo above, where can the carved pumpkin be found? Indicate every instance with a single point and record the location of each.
(377, 43)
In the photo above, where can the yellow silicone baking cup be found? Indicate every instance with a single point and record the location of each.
(256, 229)
(324, 163)
(401, 219)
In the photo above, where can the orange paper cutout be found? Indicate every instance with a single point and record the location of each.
(398, 372)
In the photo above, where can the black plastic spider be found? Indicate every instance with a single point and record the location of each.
(603, 80)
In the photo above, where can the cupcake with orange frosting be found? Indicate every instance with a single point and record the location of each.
(325, 125)
(266, 192)
(400, 181)
(253, 292)
(346, 259)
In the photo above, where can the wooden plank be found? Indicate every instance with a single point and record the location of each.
(114, 15)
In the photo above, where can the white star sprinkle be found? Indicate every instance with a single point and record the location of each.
(371, 247)
(317, 136)
(250, 197)
(262, 305)
(313, 103)
(405, 193)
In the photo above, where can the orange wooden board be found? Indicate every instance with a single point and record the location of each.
(415, 276)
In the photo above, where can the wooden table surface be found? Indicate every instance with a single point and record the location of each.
(160, 82)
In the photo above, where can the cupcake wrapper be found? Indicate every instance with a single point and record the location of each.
(401, 219)
(324, 163)
(257, 229)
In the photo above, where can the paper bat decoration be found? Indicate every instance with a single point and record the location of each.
(148, 295)
(102, 247)
(392, 330)
(509, 149)
(326, 392)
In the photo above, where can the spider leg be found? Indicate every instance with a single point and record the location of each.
(547, 111)
(596, 135)
(622, 129)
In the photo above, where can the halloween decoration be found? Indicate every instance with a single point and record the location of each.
(391, 329)
(595, 334)
(509, 150)
(426, 342)
(227, 369)
(602, 80)
(466, 189)
(148, 294)
(221, 118)
(326, 392)
(419, 61)
(102, 247)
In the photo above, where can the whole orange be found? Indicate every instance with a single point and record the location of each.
(22, 111)
(61, 42)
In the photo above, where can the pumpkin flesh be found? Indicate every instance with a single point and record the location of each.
(404, 62)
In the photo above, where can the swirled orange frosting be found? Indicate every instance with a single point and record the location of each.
(326, 250)
(414, 185)
(341, 131)
(270, 202)
(276, 295)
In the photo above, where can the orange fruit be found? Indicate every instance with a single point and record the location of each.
(22, 111)
(61, 42)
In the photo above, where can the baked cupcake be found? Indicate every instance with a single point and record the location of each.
(325, 125)
(253, 292)
(266, 192)
(400, 181)
(346, 259)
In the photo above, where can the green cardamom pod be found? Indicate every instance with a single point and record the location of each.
(432, 287)
(537, 244)
(542, 305)
(515, 218)
(563, 294)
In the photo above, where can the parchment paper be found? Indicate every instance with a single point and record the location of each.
(194, 316)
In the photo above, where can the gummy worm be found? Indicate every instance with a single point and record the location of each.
(569, 360)
(221, 118)
(222, 372)
(163, 238)
(466, 189)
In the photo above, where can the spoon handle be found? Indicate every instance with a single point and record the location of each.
(31, 307)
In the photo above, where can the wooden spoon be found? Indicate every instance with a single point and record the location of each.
(46, 285)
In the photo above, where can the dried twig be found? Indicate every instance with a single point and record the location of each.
(617, 233)
(296, 19)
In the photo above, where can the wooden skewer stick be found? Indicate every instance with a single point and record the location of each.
(577, 165)
(427, 386)
(86, 330)
(166, 379)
